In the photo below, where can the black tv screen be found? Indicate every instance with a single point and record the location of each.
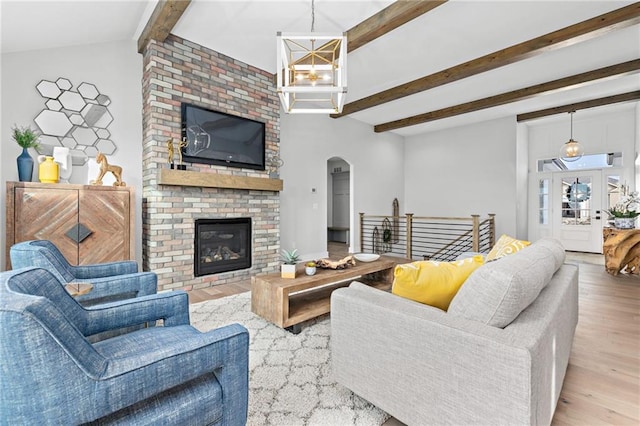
(217, 138)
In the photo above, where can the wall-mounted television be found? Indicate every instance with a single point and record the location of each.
(215, 137)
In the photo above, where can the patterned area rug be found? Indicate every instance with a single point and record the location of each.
(290, 379)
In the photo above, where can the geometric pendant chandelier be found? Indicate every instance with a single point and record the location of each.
(571, 150)
(312, 71)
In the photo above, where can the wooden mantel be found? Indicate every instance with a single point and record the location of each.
(214, 180)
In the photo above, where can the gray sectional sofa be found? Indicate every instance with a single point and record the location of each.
(498, 356)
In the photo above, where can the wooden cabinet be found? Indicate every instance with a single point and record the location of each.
(89, 224)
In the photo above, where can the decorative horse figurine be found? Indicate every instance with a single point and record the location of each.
(106, 167)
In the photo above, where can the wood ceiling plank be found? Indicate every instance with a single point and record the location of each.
(618, 70)
(388, 19)
(589, 29)
(607, 100)
(162, 20)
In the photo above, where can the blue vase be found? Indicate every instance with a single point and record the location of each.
(25, 166)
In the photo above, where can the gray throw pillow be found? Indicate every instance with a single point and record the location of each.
(497, 292)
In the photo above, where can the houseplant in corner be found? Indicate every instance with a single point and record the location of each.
(626, 211)
(26, 138)
(289, 260)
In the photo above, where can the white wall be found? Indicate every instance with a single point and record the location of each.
(306, 143)
(115, 69)
(463, 171)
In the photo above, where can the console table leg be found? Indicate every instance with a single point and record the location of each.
(294, 329)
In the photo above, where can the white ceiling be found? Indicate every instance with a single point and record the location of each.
(453, 33)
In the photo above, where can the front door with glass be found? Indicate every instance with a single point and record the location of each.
(577, 210)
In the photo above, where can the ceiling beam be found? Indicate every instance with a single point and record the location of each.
(586, 30)
(388, 19)
(571, 82)
(592, 103)
(162, 20)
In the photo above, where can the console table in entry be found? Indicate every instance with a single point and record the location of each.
(289, 302)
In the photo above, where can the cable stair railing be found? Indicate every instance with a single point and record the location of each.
(478, 239)
(428, 238)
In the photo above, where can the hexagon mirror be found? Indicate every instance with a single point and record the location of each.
(76, 119)
(48, 89)
(53, 123)
(64, 84)
(88, 91)
(71, 101)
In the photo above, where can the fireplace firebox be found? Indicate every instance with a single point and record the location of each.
(222, 245)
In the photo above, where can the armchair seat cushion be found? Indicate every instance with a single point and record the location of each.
(152, 340)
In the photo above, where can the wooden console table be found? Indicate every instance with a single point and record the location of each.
(87, 223)
(289, 302)
(621, 250)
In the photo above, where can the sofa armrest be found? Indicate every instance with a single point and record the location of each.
(120, 287)
(100, 270)
(422, 365)
(171, 307)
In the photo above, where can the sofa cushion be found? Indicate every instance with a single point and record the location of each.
(556, 248)
(505, 246)
(433, 283)
(497, 292)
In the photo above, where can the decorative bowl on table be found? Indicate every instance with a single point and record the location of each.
(366, 257)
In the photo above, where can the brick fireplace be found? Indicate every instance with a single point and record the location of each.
(177, 71)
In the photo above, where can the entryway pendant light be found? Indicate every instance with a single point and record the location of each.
(571, 150)
(312, 71)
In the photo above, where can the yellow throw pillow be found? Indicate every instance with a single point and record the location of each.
(505, 246)
(433, 283)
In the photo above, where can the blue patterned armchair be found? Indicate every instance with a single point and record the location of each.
(111, 281)
(171, 374)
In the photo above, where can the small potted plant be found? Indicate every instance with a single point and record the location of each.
(26, 138)
(310, 268)
(625, 211)
(289, 260)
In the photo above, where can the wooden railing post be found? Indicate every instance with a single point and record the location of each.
(493, 229)
(409, 235)
(476, 233)
(362, 232)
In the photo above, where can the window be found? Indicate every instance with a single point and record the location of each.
(614, 191)
(576, 201)
(591, 161)
(543, 203)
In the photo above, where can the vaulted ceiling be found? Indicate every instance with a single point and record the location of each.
(581, 58)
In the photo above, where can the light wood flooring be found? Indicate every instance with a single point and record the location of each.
(602, 384)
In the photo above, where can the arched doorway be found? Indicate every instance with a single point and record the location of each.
(339, 207)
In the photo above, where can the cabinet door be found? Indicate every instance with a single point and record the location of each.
(47, 214)
(106, 215)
